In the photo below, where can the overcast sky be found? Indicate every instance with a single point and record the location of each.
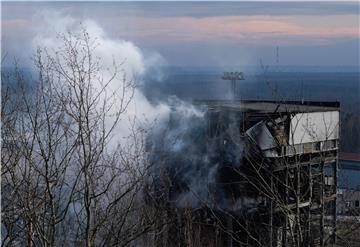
(207, 33)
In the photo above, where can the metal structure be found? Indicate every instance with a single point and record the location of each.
(282, 191)
(289, 169)
(233, 77)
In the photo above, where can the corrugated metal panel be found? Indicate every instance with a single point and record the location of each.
(314, 127)
(260, 134)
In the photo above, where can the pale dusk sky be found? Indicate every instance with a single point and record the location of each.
(207, 33)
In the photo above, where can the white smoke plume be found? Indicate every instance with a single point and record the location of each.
(180, 131)
(133, 64)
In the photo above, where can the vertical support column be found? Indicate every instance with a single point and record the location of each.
(335, 174)
(322, 206)
(233, 88)
(298, 196)
(271, 232)
(229, 224)
(285, 231)
(310, 202)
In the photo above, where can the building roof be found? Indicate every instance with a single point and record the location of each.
(270, 106)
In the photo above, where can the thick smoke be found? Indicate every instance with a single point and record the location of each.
(133, 65)
(191, 158)
(179, 145)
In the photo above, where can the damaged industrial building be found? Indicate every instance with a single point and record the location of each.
(247, 173)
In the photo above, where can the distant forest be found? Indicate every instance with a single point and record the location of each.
(350, 132)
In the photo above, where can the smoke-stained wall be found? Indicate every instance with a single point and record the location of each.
(197, 160)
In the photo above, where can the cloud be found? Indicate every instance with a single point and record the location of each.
(185, 9)
(173, 27)
(7, 25)
(246, 29)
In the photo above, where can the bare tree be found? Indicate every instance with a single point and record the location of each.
(66, 179)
